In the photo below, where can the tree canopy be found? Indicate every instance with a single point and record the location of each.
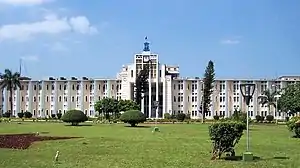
(141, 83)
(268, 98)
(107, 106)
(290, 99)
(208, 80)
(11, 81)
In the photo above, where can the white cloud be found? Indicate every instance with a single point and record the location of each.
(33, 58)
(24, 2)
(51, 24)
(233, 40)
(229, 41)
(82, 24)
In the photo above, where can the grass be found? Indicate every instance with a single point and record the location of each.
(116, 146)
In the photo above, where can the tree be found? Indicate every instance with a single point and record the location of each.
(10, 81)
(268, 98)
(141, 83)
(125, 105)
(74, 117)
(133, 117)
(208, 80)
(289, 101)
(106, 106)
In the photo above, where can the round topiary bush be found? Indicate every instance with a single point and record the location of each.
(258, 118)
(27, 114)
(269, 118)
(58, 115)
(21, 115)
(180, 117)
(74, 117)
(133, 117)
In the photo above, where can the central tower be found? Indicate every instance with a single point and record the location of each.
(146, 57)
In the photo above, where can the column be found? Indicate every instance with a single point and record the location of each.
(43, 111)
(55, 97)
(226, 99)
(18, 102)
(95, 96)
(240, 97)
(81, 95)
(69, 95)
(199, 98)
(164, 103)
(157, 90)
(150, 92)
(108, 91)
(143, 104)
(30, 97)
(184, 96)
(5, 102)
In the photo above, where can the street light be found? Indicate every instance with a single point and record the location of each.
(155, 106)
(247, 91)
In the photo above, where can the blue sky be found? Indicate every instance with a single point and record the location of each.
(245, 39)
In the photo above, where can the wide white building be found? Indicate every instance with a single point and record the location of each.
(175, 94)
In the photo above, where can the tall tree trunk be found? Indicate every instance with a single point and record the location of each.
(269, 109)
(11, 101)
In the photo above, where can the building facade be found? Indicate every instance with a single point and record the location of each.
(174, 93)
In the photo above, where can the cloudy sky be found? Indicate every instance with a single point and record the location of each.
(245, 39)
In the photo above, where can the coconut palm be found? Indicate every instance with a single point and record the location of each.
(268, 98)
(10, 81)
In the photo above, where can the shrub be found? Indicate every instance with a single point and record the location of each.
(216, 117)
(74, 117)
(53, 115)
(58, 115)
(258, 118)
(294, 126)
(133, 117)
(180, 117)
(224, 136)
(167, 116)
(21, 115)
(27, 114)
(7, 114)
(269, 118)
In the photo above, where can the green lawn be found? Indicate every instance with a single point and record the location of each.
(116, 146)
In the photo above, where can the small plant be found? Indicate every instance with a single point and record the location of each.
(294, 126)
(58, 115)
(133, 117)
(21, 115)
(180, 117)
(216, 117)
(53, 116)
(7, 114)
(224, 136)
(167, 116)
(258, 118)
(269, 118)
(74, 117)
(27, 114)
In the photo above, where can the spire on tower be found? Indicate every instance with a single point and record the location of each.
(146, 45)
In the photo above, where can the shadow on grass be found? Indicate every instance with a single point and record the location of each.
(240, 158)
(255, 158)
(141, 126)
(83, 125)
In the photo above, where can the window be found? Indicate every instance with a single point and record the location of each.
(47, 98)
(22, 98)
(73, 99)
(73, 87)
(34, 99)
(47, 87)
(34, 87)
(132, 73)
(65, 87)
(59, 99)
(86, 98)
(59, 87)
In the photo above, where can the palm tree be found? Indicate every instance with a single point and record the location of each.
(268, 98)
(10, 81)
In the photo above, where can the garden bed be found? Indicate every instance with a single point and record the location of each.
(23, 141)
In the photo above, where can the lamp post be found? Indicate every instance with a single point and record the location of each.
(247, 91)
(155, 106)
